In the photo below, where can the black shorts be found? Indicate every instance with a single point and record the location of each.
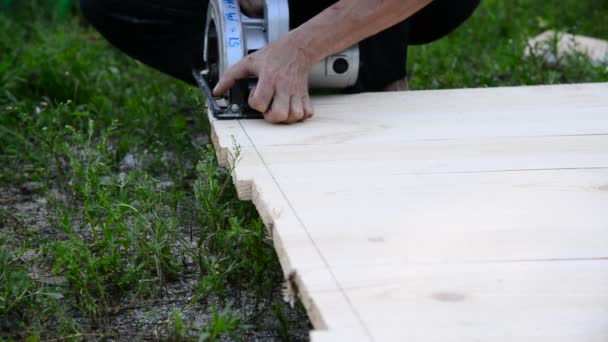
(168, 34)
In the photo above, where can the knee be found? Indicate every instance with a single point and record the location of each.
(92, 11)
(102, 15)
(439, 18)
(86, 8)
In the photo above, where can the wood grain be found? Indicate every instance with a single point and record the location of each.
(453, 215)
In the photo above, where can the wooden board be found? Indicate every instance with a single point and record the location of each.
(453, 215)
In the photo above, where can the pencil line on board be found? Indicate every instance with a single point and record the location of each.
(354, 310)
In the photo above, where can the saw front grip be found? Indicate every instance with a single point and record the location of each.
(238, 94)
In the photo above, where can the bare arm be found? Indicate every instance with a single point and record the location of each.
(282, 67)
(350, 21)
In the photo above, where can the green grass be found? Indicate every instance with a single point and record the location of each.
(487, 51)
(135, 203)
(111, 202)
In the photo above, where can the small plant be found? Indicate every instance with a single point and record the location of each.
(121, 232)
(283, 325)
(224, 323)
(214, 276)
(233, 247)
(179, 327)
(17, 290)
(26, 307)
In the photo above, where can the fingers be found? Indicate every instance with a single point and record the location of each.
(261, 96)
(308, 109)
(280, 107)
(239, 71)
(276, 106)
(296, 110)
(279, 110)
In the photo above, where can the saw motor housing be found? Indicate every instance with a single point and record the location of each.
(230, 36)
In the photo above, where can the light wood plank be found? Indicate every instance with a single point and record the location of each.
(458, 215)
(445, 114)
(546, 301)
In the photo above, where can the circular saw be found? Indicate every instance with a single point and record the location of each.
(230, 36)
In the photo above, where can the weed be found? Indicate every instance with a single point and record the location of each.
(179, 327)
(122, 236)
(224, 323)
(233, 247)
(16, 287)
(26, 308)
(283, 325)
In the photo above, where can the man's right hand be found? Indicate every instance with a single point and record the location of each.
(282, 70)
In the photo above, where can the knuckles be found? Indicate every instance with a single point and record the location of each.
(277, 116)
(273, 84)
(258, 104)
(296, 117)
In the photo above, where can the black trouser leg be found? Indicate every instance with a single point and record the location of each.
(164, 34)
(168, 34)
(384, 55)
(438, 19)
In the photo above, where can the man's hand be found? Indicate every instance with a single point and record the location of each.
(282, 67)
(282, 90)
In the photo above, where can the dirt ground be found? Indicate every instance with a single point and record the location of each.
(25, 209)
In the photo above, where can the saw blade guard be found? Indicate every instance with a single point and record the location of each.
(224, 43)
(229, 37)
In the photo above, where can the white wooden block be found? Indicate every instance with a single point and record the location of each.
(553, 45)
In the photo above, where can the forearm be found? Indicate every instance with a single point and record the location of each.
(348, 22)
